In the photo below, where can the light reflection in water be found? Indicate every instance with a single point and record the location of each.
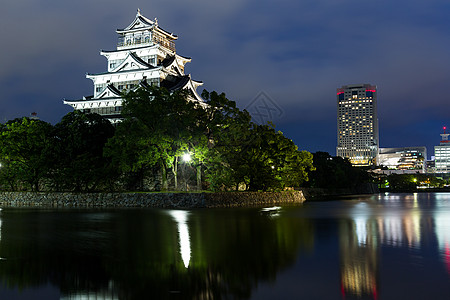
(360, 219)
(442, 221)
(1, 258)
(272, 212)
(401, 221)
(180, 216)
(392, 230)
(416, 200)
(359, 253)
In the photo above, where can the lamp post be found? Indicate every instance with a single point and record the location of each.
(186, 158)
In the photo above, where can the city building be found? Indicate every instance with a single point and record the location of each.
(145, 56)
(405, 158)
(431, 165)
(442, 154)
(357, 124)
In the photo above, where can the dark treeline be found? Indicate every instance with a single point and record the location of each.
(335, 172)
(163, 143)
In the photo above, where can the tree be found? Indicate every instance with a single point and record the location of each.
(79, 140)
(24, 152)
(169, 126)
(336, 172)
(249, 155)
(228, 129)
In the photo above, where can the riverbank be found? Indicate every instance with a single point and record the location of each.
(332, 193)
(151, 200)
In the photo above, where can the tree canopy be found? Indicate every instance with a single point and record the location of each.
(85, 152)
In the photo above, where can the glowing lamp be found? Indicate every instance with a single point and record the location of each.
(186, 157)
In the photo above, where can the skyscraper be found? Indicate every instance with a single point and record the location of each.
(442, 154)
(357, 124)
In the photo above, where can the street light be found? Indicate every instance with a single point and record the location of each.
(186, 157)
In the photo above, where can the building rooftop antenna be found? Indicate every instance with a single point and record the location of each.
(444, 136)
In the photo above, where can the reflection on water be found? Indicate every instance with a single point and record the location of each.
(387, 246)
(400, 222)
(180, 216)
(359, 257)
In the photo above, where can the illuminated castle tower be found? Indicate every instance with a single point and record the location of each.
(145, 56)
(442, 154)
(357, 124)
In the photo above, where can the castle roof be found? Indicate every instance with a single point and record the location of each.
(142, 23)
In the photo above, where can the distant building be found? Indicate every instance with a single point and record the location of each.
(34, 116)
(405, 158)
(145, 56)
(431, 165)
(357, 124)
(442, 154)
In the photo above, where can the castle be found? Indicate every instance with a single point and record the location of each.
(145, 56)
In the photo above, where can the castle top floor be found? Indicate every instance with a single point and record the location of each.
(144, 32)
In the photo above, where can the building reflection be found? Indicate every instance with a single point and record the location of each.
(362, 236)
(359, 255)
(442, 221)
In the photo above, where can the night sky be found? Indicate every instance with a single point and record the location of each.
(290, 55)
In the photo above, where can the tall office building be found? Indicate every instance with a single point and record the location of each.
(357, 124)
(442, 154)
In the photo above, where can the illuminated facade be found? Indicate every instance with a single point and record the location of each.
(442, 154)
(405, 158)
(145, 56)
(357, 124)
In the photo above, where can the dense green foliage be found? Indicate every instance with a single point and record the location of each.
(336, 172)
(24, 151)
(410, 182)
(249, 155)
(145, 151)
(68, 156)
(158, 128)
(78, 148)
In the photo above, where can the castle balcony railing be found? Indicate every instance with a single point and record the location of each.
(170, 45)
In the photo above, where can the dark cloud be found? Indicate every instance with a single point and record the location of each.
(297, 52)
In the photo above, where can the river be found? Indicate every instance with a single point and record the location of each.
(386, 246)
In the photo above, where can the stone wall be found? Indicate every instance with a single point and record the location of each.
(156, 200)
(333, 193)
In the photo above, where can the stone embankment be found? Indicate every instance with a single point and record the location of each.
(155, 200)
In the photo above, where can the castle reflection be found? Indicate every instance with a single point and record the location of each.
(229, 253)
(131, 254)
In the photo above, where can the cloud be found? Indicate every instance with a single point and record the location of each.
(297, 52)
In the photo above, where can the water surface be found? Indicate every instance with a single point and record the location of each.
(388, 246)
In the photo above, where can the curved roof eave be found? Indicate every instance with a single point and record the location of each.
(89, 75)
(128, 49)
(140, 18)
